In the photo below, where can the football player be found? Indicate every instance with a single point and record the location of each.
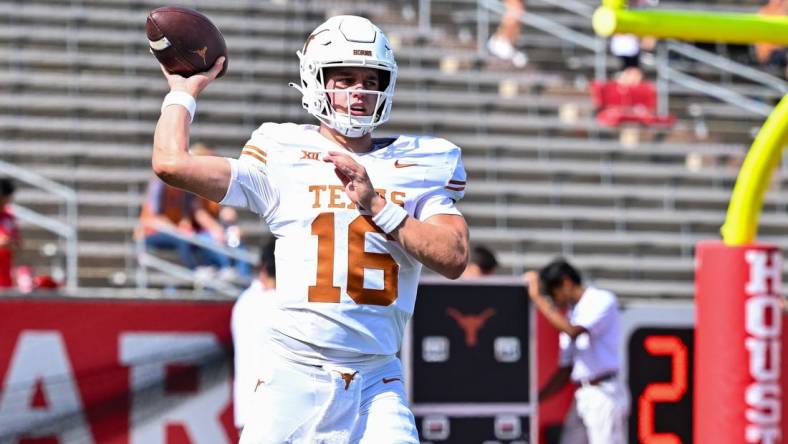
(249, 326)
(355, 218)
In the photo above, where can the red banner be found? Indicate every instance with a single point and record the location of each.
(113, 371)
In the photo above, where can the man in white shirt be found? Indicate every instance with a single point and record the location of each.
(589, 344)
(250, 324)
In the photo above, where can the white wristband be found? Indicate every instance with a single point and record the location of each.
(183, 99)
(390, 217)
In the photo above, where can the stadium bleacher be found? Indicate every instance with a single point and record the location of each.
(80, 94)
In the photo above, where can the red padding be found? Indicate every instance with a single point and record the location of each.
(737, 344)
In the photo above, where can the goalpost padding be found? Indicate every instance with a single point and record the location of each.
(738, 337)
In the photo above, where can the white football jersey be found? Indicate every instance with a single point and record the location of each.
(341, 284)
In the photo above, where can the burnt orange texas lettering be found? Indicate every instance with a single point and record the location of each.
(333, 196)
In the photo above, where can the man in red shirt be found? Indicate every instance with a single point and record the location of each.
(9, 233)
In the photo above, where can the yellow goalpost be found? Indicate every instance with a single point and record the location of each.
(612, 17)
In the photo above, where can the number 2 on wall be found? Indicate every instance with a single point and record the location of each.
(358, 260)
(671, 391)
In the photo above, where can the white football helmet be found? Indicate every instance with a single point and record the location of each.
(346, 41)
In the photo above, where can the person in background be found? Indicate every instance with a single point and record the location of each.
(249, 325)
(589, 339)
(218, 225)
(628, 48)
(770, 54)
(167, 207)
(233, 238)
(10, 239)
(503, 43)
(482, 263)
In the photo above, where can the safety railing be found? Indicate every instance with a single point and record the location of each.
(668, 74)
(486, 10)
(66, 230)
(148, 259)
(597, 45)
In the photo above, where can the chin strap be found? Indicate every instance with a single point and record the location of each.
(297, 87)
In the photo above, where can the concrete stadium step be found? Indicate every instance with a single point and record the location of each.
(600, 172)
(570, 171)
(597, 266)
(640, 243)
(124, 107)
(145, 64)
(592, 218)
(128, 130)
(599, 149)
(121, 15)
(493, 145)
(667, 196)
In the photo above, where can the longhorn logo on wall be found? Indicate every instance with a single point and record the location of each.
(470, 323)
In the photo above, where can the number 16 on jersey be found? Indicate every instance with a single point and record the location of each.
(358, 260)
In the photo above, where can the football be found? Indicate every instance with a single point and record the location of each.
(184, 40)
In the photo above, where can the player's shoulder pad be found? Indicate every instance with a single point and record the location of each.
(442, 158)
(268, 141)
(282, 133)
(428, 151)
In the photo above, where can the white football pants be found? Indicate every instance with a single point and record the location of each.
(598, 415)
(305, 404)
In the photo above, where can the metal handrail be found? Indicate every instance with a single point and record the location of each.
(667, 74)
(199, 242)
(716, 91)
(146, 259)
(67, 231)
(546, 25)
(597, 45)
(578, 7)
(729, 65)
(48, 223)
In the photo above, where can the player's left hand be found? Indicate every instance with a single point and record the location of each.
(355, 179)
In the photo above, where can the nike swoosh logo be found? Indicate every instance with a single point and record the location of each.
(398, 164)
(388, 380)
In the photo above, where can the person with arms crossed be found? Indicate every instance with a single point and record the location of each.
(249, 325)
(355, 219)
(589, 353)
